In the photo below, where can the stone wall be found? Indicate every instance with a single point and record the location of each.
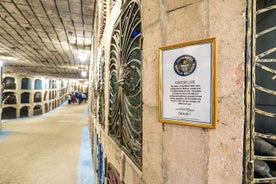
(48, 95)
(177, 153)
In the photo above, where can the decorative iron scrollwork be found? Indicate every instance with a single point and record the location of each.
(125, 112)
(102, 18)
(101, 93)
(94, 100)
(112, 175)
(101, 166)
(260, 145)
(126, 80)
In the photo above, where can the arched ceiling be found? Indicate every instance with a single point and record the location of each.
(46, 36)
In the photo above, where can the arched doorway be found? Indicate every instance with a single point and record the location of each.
(37, 110)
(24, 112)
(9, 113)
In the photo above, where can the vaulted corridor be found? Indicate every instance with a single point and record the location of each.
(175, 91)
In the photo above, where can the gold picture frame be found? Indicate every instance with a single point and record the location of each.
(187, 91)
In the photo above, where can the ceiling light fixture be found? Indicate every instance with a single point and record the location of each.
(84, 73)
(82, 56)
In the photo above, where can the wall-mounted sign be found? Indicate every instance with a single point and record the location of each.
(188, 83)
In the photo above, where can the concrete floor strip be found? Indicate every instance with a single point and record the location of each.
(85, 169)
(4, 133)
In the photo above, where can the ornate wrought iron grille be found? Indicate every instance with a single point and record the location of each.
(113, 2)
(101, 166)
(260, 143)
(113, 176)
(125, 103)
(95, 99)
(102, 18)
(101, 97)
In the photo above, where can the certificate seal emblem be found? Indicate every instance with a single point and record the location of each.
(185, 65)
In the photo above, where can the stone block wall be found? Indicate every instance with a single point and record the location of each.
(177, 153)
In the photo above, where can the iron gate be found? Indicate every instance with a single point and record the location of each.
(260, 126)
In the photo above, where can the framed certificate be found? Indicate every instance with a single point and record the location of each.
(188, 83)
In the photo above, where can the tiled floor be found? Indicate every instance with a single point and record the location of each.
(49, 149)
